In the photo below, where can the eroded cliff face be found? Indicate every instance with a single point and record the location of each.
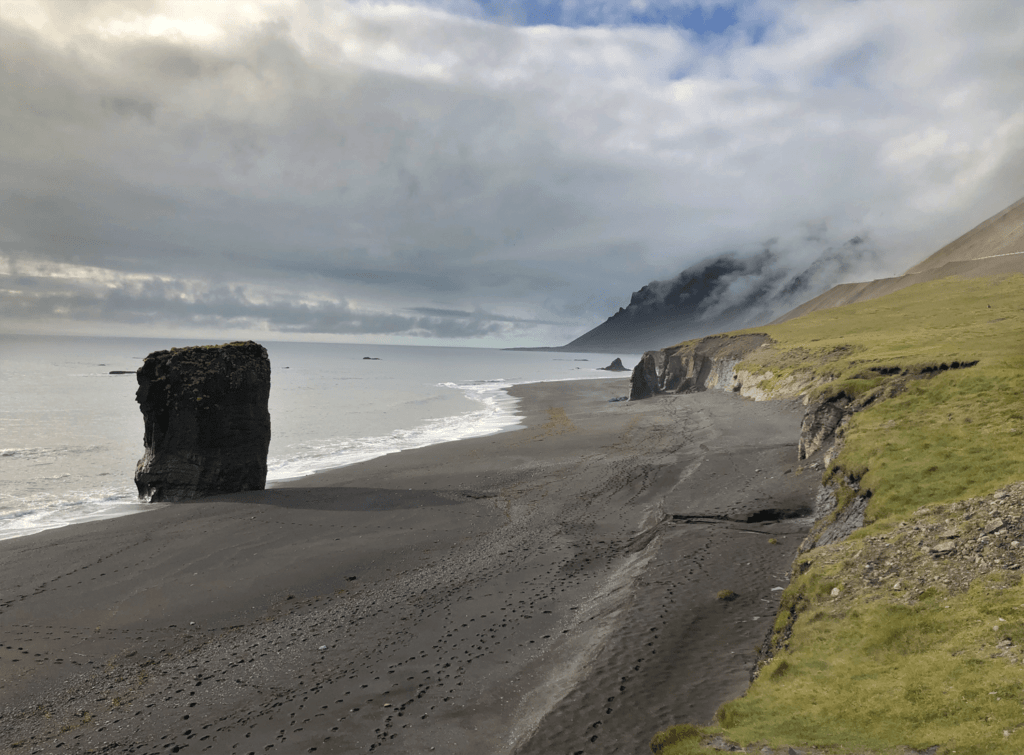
(707, 364)
(207, 422)
(711, 364)
(820, 423)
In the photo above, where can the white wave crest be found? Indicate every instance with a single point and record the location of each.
(45, 512)
(497, 413)
(45, 453)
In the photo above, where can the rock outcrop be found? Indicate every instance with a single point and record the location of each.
(820, 423)
(207, 422)
(615, 366)
(836, 519)
(694, 366)
(712, 362)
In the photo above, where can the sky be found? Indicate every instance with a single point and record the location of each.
(479, 173)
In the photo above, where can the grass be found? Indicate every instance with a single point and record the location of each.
(681, 740)
(877, 675)
(869, 671)
(955, 435)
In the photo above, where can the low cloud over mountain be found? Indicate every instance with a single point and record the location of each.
(721, 293)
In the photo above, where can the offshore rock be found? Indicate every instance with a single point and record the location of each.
(615, 366)
(207, 423)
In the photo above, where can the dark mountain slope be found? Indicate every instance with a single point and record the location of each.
(715, 295)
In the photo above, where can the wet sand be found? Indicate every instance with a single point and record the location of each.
(547, 590)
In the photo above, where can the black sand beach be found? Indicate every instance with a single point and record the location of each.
(548, 590)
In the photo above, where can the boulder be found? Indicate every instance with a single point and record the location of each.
(615, 366)
(207, 422)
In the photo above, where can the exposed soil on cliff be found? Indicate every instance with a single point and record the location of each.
(950, 546)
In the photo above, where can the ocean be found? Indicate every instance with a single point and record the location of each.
(71, 432)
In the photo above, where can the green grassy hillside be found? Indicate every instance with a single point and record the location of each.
(910, 632)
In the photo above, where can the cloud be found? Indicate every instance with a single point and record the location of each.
(61, 294)
(413, 159)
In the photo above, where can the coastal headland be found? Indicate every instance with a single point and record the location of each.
(574, 586)
(900, 630)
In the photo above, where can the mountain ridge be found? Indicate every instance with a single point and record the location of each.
(717, 294)
(733, 291)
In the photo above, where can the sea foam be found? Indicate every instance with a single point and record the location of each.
(496, 414)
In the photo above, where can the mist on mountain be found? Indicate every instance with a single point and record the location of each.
(721, 293)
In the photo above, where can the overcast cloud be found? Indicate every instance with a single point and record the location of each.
(506, 173)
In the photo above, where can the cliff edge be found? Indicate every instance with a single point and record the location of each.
(912, 419)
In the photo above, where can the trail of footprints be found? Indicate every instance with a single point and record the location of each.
(347, 697)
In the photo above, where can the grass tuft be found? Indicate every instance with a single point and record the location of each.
(677, 735)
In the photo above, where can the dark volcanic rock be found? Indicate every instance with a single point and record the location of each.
(665, 312)
(615, 366)
(644, 381)
(719, 294)
(207, 421)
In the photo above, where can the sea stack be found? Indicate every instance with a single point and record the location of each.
(615, 366)
(207, 422)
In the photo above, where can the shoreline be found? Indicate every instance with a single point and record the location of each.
(117, 507)
(481, 595)
(515, 421)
